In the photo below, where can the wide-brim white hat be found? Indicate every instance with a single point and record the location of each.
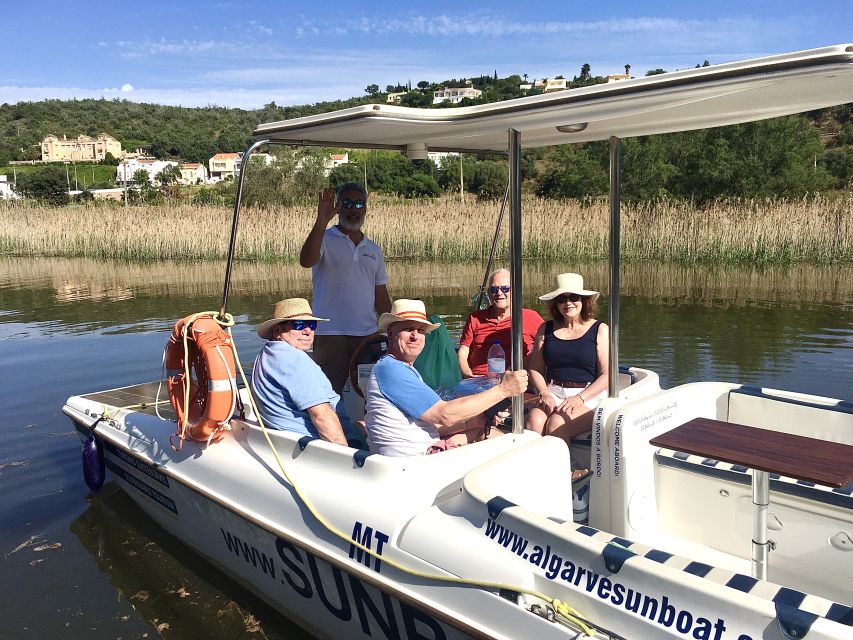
(569, 283)
(406, 310)
(285, 310)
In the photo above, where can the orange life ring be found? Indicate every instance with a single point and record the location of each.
(212, 381)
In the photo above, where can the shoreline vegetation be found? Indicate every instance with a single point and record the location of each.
(816, 230)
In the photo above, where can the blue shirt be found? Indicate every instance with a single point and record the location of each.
(286, 383)
(397, 397)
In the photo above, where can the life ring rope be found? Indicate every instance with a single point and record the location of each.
(204, 342)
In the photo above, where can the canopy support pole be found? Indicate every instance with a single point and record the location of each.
(517, 356)
(244, 164)
(613, 283)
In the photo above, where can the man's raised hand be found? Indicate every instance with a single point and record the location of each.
(326, 210)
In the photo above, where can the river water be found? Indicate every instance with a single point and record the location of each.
(76, 565)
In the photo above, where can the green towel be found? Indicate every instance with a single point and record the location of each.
(438, 364)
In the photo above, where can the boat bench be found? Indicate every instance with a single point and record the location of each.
(755, 407)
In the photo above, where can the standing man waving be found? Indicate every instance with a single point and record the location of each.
(348, 276)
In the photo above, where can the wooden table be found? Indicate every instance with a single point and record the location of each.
(765, 452)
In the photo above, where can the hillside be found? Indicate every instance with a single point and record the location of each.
(788, 157)
(195, 134)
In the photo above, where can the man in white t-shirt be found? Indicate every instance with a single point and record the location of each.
(404, 417)
(349, 279)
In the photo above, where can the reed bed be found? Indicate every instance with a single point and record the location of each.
(816, 230)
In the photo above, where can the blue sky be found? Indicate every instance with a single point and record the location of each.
(247, 54)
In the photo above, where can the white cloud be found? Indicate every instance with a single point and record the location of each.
(190, 97)
(482, 25)
(126, 87)
(257, 27)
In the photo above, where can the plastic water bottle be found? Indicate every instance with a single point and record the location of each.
(496, 360)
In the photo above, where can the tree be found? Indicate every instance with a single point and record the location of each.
(416, 99)
(655, 72)
(627, 69)
(48, 185)
(85, 195)
(839, 163)
(169, 175)
(423, 85)
(344, 173)
(489, 180)
(140, 177)
(372, 89)
(575, 172)
(585, 71)
(109, 160)
(418, 185)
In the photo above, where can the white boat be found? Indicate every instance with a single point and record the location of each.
(480, 541)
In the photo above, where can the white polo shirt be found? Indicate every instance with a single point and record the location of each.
(345, 280)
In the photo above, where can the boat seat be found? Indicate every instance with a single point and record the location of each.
(839, 497)
(791, 413)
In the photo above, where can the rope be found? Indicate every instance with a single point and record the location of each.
(569, 615)
(563, 609)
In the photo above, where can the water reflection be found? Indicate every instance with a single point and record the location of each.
(61, 291)
(72, 326)
(174, 591)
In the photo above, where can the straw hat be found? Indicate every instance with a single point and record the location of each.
(569, 283)
(290, 309)
(402, 310)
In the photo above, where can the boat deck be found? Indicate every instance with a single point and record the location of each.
(139, 397)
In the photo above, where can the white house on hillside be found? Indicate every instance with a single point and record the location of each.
(6, 189)
(455, 94)
(549, 85)
(127, 168)
(440, 156)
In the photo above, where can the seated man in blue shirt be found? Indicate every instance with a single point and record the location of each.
(404, 417)
(291, 391)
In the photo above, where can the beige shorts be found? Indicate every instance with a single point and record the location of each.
(564, 393)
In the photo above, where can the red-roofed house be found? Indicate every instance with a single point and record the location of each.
(192, 173)
(335, 160)
(222, 165)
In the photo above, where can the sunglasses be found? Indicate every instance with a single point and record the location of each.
(349, 204)
(504, 288)
(567, 297)
(299, 325)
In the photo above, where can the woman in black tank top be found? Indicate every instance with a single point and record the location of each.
(568, 366)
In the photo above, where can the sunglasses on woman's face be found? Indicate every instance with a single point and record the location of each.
(349, 204)
(504, 288)
(299, 325)
(567, 297)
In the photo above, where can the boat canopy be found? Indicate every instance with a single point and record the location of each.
(699, 98)
(687, 100)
